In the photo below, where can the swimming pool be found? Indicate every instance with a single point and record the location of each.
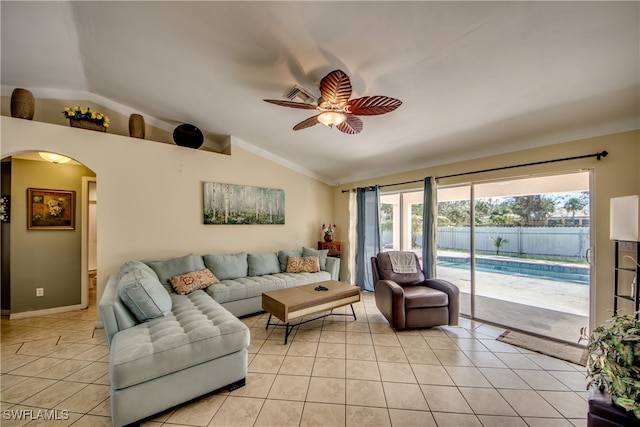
(536, 270)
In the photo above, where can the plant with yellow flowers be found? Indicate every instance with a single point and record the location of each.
(86, 114)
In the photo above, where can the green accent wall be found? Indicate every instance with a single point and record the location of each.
(49, 259)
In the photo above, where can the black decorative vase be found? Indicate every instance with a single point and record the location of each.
(187, 135)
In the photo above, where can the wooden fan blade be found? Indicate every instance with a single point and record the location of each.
(311, 121)
(335, 87)
(352, 125)
(372, 105)
(291, 104)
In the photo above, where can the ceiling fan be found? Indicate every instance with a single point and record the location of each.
(335, 107)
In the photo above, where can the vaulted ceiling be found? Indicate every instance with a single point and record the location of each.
(476, 78)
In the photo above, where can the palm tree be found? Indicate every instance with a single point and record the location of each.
(574, 205)
(498, 242)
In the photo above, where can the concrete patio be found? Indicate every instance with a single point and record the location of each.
(550, 308)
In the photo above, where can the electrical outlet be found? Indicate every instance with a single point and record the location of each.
(39, 292)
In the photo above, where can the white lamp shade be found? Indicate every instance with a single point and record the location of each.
(331, 118)
(53, 157)
(625, 218)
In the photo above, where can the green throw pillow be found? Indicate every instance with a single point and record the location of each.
(136, 265)
(284, 255)
(144, 295)
(168, 268)
(227, 266)
(263, 264)
(322, 256)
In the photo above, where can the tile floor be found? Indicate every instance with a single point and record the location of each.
(334, 372)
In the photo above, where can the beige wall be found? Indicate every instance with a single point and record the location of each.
(150, 194)
(48, 259)
(50, 111)
(616, 175)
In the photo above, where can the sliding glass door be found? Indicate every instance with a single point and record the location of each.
(517, 250)
(453, 240)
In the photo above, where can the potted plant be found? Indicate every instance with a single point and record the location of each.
(85, 118)
(328, 232)
(614, 361)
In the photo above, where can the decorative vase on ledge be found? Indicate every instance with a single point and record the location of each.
(23, 105)
(86, 124)
(187, 135)
(328, 237)
(136, 126)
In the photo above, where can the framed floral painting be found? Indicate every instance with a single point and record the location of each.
(51, 209)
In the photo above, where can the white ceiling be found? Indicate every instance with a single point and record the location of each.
(476, 78)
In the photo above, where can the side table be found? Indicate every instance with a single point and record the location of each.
(335, 248)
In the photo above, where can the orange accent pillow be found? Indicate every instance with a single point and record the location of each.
(187, 283)
(306, 264)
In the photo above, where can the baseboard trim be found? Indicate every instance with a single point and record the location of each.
(36, 313)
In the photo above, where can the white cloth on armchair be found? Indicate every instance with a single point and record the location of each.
(403, 262)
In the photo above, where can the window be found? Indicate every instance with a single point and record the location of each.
(401, 221)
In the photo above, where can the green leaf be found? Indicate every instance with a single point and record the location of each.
(614, 360)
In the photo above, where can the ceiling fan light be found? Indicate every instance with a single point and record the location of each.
(53, 157)
(331, 118)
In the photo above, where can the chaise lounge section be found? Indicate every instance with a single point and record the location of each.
(173, 339)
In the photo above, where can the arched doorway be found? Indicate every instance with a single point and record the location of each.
(44, 269)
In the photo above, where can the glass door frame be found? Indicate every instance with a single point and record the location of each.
(472, 230)
(402, 219)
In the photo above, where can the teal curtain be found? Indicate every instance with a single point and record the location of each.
(368, 231)
(430, 215)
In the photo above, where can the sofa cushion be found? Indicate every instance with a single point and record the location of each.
(307, 264)
(136, 265)
(284, 255)
(144, 295)
(227, 266)
(261, 264)
(168, 268)
(197, 330)
(253, 286)
(187, 283)
(424, 296)
(322, 256)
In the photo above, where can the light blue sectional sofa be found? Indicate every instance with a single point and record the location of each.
(243, 277)
(171, 347)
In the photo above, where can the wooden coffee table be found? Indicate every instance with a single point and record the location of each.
(293, 303)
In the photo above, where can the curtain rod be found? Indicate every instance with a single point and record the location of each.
(598, 155)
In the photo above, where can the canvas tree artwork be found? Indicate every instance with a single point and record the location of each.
(241, 204)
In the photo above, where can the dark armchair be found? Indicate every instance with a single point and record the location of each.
(408, 300)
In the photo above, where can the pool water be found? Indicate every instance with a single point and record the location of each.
(557, 273)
